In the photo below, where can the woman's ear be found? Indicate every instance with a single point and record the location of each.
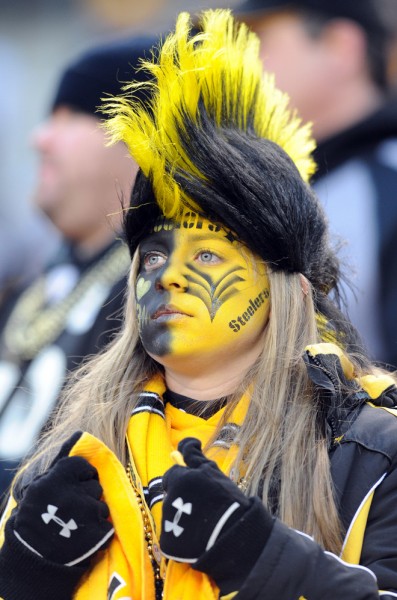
(304, 284)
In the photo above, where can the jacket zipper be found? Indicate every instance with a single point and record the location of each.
(330, 418)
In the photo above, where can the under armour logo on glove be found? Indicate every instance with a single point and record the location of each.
(225, 531)
(66, 528)
(181, 508)
(69, 488)
(217, 502)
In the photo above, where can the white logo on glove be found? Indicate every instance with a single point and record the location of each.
(181, 508)
(66, 527)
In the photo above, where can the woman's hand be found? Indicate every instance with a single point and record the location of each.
(61, 516)
(200, 504)
(208, 522)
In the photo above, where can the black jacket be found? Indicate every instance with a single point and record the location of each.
(363, 453)
(292, 566)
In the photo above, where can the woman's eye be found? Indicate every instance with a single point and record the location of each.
(208, 257)
(153, 260)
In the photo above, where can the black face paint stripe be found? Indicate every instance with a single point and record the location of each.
(155, 337)
(207, 276)
(227, 284)
(196, 280)
(232, 292)
(213, 292)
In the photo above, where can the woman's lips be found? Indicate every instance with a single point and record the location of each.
(168, 312)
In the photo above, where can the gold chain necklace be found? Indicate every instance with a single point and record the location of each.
(32, 325)
(152, 548)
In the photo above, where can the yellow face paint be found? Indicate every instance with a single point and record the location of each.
(200, 292)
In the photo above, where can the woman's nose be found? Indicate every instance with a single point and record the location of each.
(172, 278)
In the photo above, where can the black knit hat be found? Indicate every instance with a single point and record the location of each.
(363, 12)
(101, 71)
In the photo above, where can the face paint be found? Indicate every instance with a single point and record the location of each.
(199, 292)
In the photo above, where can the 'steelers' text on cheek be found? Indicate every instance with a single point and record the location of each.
(253, 306)
(206, 297)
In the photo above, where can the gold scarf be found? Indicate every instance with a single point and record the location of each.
(129, 564)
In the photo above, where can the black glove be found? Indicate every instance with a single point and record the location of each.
(208, 522)
(61, 516)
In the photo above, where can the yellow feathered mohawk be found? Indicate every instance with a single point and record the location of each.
(216, 136)
(218, 69)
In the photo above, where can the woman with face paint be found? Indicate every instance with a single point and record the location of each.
(196, 289)
(234, 441)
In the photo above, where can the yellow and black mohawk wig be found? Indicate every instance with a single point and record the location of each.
(217, 137)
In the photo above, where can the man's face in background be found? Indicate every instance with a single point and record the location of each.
(80, 180)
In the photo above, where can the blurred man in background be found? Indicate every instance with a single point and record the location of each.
(333, 59)
(73, 309)
(27, 239)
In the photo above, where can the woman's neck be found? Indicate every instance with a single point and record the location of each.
(215, 381)
(199, 388)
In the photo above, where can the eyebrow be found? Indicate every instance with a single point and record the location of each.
(209, 236)
(160, 236)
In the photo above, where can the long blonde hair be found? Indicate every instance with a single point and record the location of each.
(280, 443)
(282, 448)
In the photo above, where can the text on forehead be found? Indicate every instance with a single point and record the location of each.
(190, 220)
